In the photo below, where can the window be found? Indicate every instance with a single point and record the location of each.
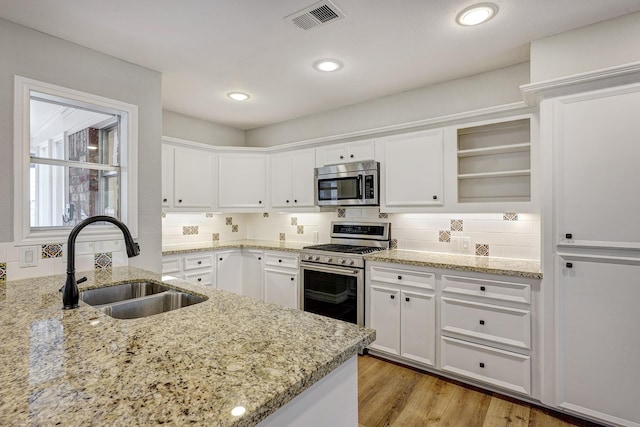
(74, 158)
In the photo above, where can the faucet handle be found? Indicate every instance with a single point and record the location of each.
(80, 280)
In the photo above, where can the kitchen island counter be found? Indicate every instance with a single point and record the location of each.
(192, 365)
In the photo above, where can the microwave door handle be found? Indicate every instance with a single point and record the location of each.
(360, 187)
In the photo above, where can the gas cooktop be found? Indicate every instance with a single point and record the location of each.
(346, 249)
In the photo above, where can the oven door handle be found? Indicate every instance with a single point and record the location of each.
(331, 270)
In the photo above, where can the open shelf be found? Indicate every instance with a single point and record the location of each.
(494, 162)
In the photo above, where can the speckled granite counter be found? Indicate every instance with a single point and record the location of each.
(184, 248)
(191, 365)
(502, 266)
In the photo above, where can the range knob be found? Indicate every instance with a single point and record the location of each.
(316, 258)
(309, 257)
(342, 261)
(350, 262)
(329, 259)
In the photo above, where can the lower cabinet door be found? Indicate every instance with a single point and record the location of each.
(281, 287)
(385, 319)
(229, 271)
(418, 327)
(501, 368)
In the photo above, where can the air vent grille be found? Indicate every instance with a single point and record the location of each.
(315, 15)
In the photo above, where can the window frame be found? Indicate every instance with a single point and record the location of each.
(23, 233)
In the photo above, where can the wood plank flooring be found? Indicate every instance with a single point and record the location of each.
(393, 395)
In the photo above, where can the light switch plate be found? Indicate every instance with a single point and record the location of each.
(29, 256)
(455, 244)
(466, 244)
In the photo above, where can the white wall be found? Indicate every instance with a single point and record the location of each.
(192, 129)
(601, 45)
(49, 59)
(484, 90)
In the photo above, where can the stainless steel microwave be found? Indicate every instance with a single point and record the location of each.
(348, 184)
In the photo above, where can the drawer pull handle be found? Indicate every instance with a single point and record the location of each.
(482, 288)
(392, 296)
(180, 201)
(199, 262)
(199, 279)
(341, 157)
(482, 322)
(351, 156)
(481, 364)
(569, 265)
(164, 200)
(568, 236)
(399, 277)
(407, 299)
(259, 258)
(435, 197)
(279, 260)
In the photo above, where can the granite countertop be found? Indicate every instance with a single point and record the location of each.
(502, 266)
(184, 248)
(191, 365)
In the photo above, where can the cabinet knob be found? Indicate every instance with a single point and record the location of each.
(482, 322)
(435, 197)
(407, 299)
(568, 236)
(481, 364)
(295, 201)
(199, 262)
(220, 259)
(260, 201)
(292, 279)
(199, 279)
(392, 296)
(569, 265)
(341, 157)
(259, 258)
(351, 156)
(180, 201)
(279, 260)
(164, 200)
(482, 288)
(287, 201)
(399, 277)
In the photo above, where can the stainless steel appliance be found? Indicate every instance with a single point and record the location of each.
(349, 184)
(333, 274)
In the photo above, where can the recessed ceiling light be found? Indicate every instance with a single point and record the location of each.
(327, 65)
(477, 14)
(238, 96)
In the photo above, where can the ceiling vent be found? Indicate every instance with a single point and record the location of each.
(315, 15)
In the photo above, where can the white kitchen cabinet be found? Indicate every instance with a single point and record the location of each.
(187, 178)
(229, 270)
(242, 182)
(598, 349)
(196, 267)
(292, 179)
(281, 279)
(412, 170)
(252, 273)
(359, 151)
(401, 308)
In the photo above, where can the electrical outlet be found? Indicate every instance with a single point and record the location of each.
(315, 236)
(29, 256)
(455, 244)
(466, 244)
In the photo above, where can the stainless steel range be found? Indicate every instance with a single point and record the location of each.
(333, 274)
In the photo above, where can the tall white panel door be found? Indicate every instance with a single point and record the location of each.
(418, 326)
(193, 179)
(384, 317)
(599, 338)
(282, 180)
(167, 176)
(303, 178)
(597, 138)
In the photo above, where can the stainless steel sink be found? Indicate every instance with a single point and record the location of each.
(121, 292)
(138, 299)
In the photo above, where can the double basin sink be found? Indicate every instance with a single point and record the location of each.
(138, 299)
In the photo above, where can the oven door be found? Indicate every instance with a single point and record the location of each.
(336, 292)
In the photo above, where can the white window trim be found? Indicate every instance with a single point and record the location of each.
(22, 233)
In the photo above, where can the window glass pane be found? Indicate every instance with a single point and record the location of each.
(63, 196)
(66, 132)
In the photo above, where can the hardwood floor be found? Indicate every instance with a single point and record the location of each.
(394, 395)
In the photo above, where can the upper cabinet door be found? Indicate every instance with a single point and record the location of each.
(359, 151)
(597, 140)
(303, 178)
(192, 178)
(242, 181)
(282, 180)
(167, 176)
(413, 169)
(292, 180)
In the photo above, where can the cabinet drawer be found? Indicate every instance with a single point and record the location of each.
(171, 265)
(192, 262)
(282, 260)
(497, 325)
(501, 368)
(488, 289)
(403, 277)
(204, 278)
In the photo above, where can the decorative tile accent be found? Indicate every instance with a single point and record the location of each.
(208, 215)
(265, 215)
(189, 230)
(444, 236)
(103, 260)
(301, 229)
(294, 220)
(234, 228)
(510, 216)
(229, 221)
(456, 225)
(52, 250)
(164, 215)
(482, 249)
(342, 213)
(215, 237)
(383, 215)
(282, 237)
(393, 244)
(3, 272)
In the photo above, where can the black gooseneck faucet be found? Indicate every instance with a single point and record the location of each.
(70, 293)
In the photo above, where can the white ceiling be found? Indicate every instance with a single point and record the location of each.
(206, 48)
